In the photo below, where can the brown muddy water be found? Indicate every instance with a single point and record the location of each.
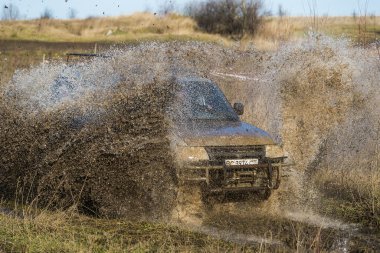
(97, 134)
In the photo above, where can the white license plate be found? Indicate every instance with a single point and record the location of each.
(240, 162)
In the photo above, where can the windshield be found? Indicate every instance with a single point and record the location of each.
(203, 100)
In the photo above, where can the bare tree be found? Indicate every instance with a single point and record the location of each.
(190, 9)
(72, 13)
(167, 7)
(362, 21)
(313, 9)
(267, 13)
(354, 15)
(281, 11)
(46, 14)
(10, 12)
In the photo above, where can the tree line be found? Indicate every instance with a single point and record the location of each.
(12, 12)
(227, 17)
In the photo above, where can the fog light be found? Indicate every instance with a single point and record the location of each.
(274, 151)
(192, 154)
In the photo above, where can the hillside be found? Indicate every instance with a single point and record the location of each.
(137, 27)
(147, 26)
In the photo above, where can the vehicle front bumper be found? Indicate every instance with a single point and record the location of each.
(233, 179)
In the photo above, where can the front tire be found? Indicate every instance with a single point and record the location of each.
(266, 194)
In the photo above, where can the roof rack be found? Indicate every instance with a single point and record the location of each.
(85, 55)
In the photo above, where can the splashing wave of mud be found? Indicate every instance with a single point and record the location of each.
(95, 133)
(104, 141)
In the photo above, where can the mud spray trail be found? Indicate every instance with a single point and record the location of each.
(98, 134)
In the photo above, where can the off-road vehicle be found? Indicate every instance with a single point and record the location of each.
(216, 150)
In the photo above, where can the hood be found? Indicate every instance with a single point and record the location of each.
(224, 133)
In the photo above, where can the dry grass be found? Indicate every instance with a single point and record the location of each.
(275, 30)
(23, 55)
(28, 229)
(137, 27)
(352, 194)
(31, 230)
(147, 26)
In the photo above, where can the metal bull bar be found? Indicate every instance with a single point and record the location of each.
(236, 178)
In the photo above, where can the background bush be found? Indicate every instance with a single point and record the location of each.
(227, 17)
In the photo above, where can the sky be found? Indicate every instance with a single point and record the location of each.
(89, 8)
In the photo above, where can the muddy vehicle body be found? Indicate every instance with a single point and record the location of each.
(219, 152)
(214, 149)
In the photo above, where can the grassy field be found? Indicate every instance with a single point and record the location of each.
(137, 27)
(70, 232)
(276, 30)
(24, 43)
(16, 55)
(146, 26)
(31, 230)
(27, 43)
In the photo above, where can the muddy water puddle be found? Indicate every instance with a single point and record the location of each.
(284, 231)
(275, 226)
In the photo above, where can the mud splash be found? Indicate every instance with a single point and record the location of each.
(96, 134)
(92, 158)
(325, 114)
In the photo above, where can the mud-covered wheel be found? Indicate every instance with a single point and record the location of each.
(266, 193)
(276, 177)
(208, 200)
(189, 203)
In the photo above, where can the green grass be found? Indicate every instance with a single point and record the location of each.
(32, 230)
(65, 232)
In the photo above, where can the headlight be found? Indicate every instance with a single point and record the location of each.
(274, 151)
(192, 154)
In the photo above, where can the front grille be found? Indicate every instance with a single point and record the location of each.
(218, 155)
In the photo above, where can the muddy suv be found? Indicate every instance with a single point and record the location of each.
(218, 151)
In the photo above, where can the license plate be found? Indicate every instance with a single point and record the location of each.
(240, 162)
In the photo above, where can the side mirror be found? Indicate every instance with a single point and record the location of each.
(239, 108)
